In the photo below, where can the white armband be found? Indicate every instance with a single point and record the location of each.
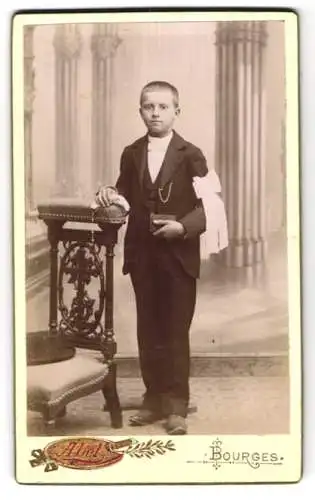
(215, 238)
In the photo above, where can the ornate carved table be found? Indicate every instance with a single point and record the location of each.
(82, 242)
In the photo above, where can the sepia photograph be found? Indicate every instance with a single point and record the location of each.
(156, 216)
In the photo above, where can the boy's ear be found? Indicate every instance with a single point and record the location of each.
(177, 111)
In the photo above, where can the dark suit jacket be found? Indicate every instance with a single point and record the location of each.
(182, 162)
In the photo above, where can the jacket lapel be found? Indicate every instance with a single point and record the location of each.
(140, 157)
(172, 159)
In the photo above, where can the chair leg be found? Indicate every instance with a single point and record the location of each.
(62, 412)
(49, 423)
(111, 397)
(50, 427)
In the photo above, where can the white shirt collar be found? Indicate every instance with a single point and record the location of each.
(159, 143)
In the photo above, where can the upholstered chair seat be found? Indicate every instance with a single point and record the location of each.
(51, 386)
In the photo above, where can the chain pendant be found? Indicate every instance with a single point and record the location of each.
(166, 199)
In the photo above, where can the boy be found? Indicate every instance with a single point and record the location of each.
(162, 252)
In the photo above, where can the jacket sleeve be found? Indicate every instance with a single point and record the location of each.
(194, 222)
(123, 181)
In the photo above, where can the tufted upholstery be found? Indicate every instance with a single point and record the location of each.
(56, 384)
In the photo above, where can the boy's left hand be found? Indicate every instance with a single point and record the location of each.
(170, 229)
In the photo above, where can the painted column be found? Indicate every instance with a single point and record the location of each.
(103, 45)
(29, 91)
(67, 43)
(36, 246)
(240, 137)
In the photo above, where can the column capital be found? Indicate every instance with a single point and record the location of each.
(68, 41)
(230, 32)
(104, 45)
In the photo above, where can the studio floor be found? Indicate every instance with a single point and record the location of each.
(219, 405)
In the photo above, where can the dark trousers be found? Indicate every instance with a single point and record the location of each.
(165, 301)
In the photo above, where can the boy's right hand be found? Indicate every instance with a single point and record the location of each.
(106, 196)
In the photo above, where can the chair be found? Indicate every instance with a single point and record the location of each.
(75, 356)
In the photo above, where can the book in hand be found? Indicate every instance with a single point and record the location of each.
(158, 220)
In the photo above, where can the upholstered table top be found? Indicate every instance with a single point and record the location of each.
(73, 209)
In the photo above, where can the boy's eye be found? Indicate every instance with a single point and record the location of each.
(149, 107)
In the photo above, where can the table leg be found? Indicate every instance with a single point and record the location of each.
(53, 311)
(110, 347)
(109, 339)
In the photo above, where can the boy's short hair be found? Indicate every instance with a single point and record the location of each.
(161, 85)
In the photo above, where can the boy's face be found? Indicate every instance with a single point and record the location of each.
(158, 111)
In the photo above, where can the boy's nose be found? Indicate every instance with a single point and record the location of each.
(155, 111)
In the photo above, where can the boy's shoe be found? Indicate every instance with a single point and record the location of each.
(144, 417)
(176, 425)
